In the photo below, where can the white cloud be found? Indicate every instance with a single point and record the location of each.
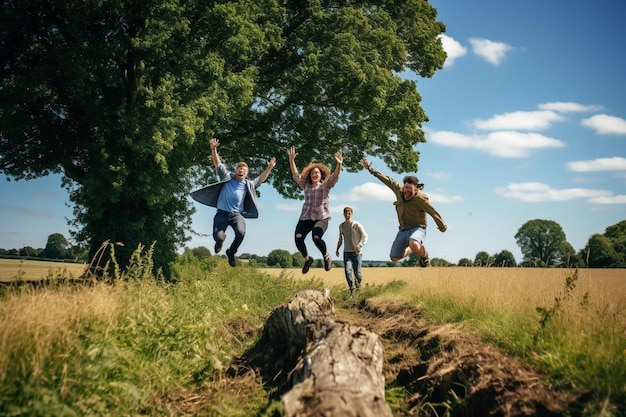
(615, 199)
(493, 52)
(522, 120)
(441, 198)
(536, 192)
(616, 163)
(568, 107)
(453, 49)
(502, 144)
(604, 124)
(337, 208)
(370, 191)
(288, 207)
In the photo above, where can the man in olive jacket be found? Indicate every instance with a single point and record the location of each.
(412, 205)
(235, 199)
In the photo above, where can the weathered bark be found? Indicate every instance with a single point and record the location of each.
(340, 366)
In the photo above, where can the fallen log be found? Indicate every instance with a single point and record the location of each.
(339, 366)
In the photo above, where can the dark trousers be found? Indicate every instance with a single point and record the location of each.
(222, 220)
(303, 228)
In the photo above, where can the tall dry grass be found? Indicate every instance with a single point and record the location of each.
(508, 288)
(40, 322)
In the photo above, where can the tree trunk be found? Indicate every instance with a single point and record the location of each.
(339, 370)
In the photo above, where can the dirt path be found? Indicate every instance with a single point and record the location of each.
(430, 370)
(447, 372)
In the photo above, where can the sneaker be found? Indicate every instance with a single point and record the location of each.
(425, 261)
(327, 262)
(231, 258)
(218, 246)
(307, 265)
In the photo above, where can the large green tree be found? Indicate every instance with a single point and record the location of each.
(617, 235)
(56, 247)
(280, 257)
(482, 258)
(504, 258)
(122, 96)
(541, 240)
(601, 252)
(569, 257)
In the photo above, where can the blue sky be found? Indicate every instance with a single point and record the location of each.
(527, 120)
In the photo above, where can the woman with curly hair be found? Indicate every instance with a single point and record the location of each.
(316, 181)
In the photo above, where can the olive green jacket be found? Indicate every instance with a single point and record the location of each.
(411, 213)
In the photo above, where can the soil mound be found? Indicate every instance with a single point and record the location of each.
(448, 372)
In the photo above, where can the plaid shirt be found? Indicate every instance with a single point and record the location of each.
(316, 199)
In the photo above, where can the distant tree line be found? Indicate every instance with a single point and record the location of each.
(542, 242)
(57, 248)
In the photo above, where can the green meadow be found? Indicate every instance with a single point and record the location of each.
(137, 345)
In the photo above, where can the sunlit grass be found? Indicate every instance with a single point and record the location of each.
(142, 346)
(15, 269)
(581, 347)
(134, 346)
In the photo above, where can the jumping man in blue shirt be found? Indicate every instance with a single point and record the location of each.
(234, 197)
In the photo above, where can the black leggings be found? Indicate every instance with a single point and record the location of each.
(303, 228)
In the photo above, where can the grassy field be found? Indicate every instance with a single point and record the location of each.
(141, 347)
(12, 269)
(519, 288)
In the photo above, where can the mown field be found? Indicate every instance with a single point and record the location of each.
(13, 269)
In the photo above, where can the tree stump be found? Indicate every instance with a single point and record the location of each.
(339, 367)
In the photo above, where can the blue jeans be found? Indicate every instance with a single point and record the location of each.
(402, 240)
(352, 261)
(222, 220)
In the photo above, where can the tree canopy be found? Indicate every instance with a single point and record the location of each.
(122, 97)
(601, 252)
(541, 240)
(504, 258)
(617, 236)
(280, 257)
(56, 247)
(483, 259)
